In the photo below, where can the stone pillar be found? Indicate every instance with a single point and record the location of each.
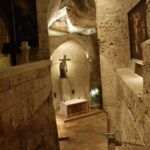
(24, 52)
(43, 52)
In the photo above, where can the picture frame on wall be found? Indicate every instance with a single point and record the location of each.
(137, 29)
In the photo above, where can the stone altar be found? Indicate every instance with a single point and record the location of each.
(73, 107)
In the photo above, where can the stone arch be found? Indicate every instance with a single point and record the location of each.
(77, 71)
(82, 43)
(66, 41)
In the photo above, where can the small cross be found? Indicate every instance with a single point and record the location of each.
(64, 59)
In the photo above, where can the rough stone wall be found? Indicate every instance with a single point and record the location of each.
(112, 28)
(146, 94)
(82, 13)
(124, 100)
(133, 95)
(27, 119)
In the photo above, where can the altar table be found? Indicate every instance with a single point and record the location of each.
(73, 107)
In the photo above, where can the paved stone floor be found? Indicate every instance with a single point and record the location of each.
(85, 133)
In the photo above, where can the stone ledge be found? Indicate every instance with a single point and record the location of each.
(147, 42)
(132, 80)
(10, 71)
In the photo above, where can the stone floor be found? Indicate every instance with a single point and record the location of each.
(85, 133)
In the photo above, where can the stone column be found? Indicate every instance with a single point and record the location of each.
(43, 52)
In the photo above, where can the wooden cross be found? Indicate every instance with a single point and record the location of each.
(64, 59)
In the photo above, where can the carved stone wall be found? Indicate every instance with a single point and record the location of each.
(112, 28)
(124, 100)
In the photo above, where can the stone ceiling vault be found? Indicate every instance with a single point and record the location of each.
(81, 16)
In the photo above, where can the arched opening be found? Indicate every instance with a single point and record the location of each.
(64, 24)
(73, 36)
(77, 70)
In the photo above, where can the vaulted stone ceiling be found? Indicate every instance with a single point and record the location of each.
(74, 16)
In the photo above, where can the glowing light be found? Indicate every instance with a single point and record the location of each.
(51, 58)
(94, 92)
(87, 55)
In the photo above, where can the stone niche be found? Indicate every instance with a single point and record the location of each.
(70, 87)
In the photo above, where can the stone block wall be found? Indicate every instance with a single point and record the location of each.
(124, 100)
(27, 119)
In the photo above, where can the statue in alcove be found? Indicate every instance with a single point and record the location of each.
(63, 67)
